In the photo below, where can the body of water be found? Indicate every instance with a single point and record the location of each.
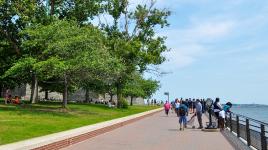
(258, 112)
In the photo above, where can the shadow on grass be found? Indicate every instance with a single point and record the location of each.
(55, 108)
(28, 109)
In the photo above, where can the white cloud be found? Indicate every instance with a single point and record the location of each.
(159, 3)
(190, 43)
(210, 30)
(182, 56)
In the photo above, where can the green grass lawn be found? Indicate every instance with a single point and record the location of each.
(28, 121)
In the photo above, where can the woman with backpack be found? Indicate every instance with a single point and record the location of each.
(182, 111)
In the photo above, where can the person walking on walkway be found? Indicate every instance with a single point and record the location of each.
(217, 108)
(194, 101)
(190, 104)
(171, 106)
(198, 113)
(183, 111)
(177, 106)
(167, 107)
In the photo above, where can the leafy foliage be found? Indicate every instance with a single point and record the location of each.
(123, 104)
(139, 87)
(140, 47)
(80, 55)
(64, 51)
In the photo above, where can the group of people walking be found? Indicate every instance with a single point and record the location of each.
(197, 107)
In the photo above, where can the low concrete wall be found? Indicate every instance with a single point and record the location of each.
(237, 143)
(67, 138)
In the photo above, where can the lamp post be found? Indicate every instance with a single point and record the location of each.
(167, 93)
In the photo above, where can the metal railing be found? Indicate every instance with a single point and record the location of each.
(253, 131)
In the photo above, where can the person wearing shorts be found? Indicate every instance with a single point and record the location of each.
(222, 114)
(221, 120)
(183, 111)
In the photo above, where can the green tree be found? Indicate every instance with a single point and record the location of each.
(133, 88)
(73, 57)
(136, 43)
(80, 10)
(149, 87)
(14, 16)
(137, 86)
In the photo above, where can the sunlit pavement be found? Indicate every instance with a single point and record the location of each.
(157, 132)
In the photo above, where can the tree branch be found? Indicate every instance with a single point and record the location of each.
(139, 20)
(12, 41)
(126, 21)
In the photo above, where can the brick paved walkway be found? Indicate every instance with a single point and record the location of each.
(157, 132)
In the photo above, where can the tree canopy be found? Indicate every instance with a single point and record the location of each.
(137, 86)
(57, 45)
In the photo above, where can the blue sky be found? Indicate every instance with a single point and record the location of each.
(218, 49)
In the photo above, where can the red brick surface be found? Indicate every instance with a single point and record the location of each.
(157, 132)
(82, 137)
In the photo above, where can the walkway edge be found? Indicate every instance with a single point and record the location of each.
(70, 137)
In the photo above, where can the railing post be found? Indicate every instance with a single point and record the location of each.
(248, 132)
(263, 138)
(231, 124)
(237, 126)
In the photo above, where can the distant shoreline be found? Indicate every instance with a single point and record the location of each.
(250, 104)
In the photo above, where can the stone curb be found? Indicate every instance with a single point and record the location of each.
(66, 138)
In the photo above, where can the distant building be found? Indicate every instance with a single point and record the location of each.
(79, 96)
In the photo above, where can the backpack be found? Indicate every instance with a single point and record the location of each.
(181, 111)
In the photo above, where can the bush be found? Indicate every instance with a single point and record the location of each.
(123, 104)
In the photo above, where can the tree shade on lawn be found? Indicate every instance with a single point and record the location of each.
(20, 123)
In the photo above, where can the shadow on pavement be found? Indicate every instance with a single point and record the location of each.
(173, 130)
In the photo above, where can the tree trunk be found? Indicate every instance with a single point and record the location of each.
(119, 94)
(46, 95)
(35, 94)
(131, 100)
(111, 97)
(65, 92)
(5, 91)
(1, 91)
(52, 7)
(87, 96)
(34, 89)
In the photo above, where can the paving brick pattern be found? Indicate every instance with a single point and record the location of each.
(157, 132)
(83, 137)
